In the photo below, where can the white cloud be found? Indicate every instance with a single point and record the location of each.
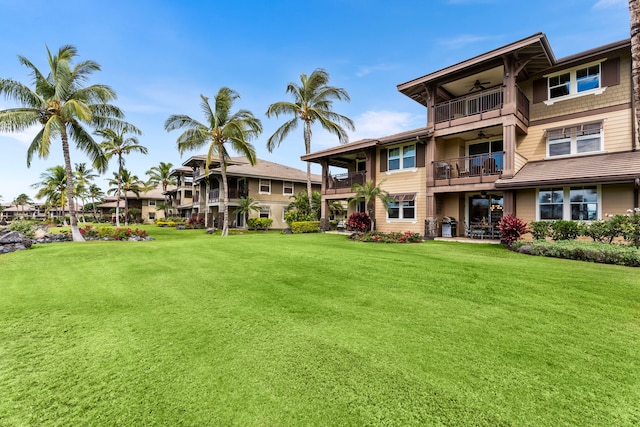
(368, 69)
(25, 137)
(462, 40)
(376, 124)
(602, 4)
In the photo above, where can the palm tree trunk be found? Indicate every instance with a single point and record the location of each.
(75, 231)
(225, 199)
(307, 146)
(634, 10)
(119, 189)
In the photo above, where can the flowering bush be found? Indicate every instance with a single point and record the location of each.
(196, 222)
(393, 237)
(511, 228)
(359, 222)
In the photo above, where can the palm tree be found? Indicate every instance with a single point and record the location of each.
(61, 104)
(634, 11)
(53, 188)
(117, 144)
(369, 192)
(21, 200)
(246, 205)
(221, 126)
(124, 181)
(312, 101)
(83, 177)
(161, 174)
(94, 192)
(300, 203)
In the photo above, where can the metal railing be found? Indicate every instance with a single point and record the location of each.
(234, 193)
(486, 164)
(469, 105)
(345, 180)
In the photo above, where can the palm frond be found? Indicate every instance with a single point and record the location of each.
(18, 119)
(281, 133)
(20, 93)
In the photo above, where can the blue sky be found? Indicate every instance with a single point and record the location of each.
(160, 55)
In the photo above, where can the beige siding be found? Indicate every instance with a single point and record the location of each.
(616, 131)
(526, 205)
(412, 181)
(616, 199)
(613, 95)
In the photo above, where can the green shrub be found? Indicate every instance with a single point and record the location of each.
(563, 230)
(259, 223)
(26, 228)
(582, 251)
(539, 229)
(293, 215)
(298, 227)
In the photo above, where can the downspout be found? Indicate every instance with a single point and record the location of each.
(634, 122)
(636, 194)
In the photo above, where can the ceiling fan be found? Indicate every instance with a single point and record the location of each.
(477, 85)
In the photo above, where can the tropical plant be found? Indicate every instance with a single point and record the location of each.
(161, 174)
(245, 206)
(61, 104)
(359, 222)
(94, 193)
(83, 177)
(163, 206)
(300, 203)
(52, 187)
(369, 192)
(312, 102)
(117, 144)
(124, 181)
(221, 126)
(511, 228)
(21, 200)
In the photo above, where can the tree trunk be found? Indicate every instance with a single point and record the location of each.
(307, 146)
(119, 189)
(225, 198)
(634, 11)
(75, 231)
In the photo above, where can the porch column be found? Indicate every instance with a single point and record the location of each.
(431, 157)
(508, 202)
(431, 222)
(324, 217)
(509, 147)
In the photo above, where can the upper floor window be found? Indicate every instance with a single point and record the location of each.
(287, 188)
(152, 202)
(402, 157)
(578, 139)
(265, 186)
(585, 79)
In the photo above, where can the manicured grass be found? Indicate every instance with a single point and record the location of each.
(271, 329)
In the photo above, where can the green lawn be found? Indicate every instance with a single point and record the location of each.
(282, 330)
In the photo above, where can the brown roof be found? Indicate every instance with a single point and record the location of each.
(599, 168)
(366, 143)
(240, 166)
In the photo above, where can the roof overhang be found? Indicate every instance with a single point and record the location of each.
(533, 52)
(613, 168)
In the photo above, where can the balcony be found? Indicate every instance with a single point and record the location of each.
(469, 169)
(478, 106)
(234, 193)
(345, 180)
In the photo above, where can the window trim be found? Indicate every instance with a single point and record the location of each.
(284, 186)
(573, 83)
(400, 199)
(569, 135)
(264, 209)
(401, 158)
(566, 201)
(260, 186)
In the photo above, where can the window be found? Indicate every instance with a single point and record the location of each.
(570, 203)
(265, 186)
(287, 188)
(576, 81)
(403, 206)
(550, 201)
(402, 157)
(265, 212)
(579, 139)
(152, 216)
(152, 202)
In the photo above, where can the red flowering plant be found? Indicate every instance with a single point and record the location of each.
(511, 228)
(358, 222)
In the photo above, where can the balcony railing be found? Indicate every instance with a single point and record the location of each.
(486, 164)
(478, 103)
(234, 193)
(345, 180)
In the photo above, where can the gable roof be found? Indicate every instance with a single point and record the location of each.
(240, 167)
(609, 168)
